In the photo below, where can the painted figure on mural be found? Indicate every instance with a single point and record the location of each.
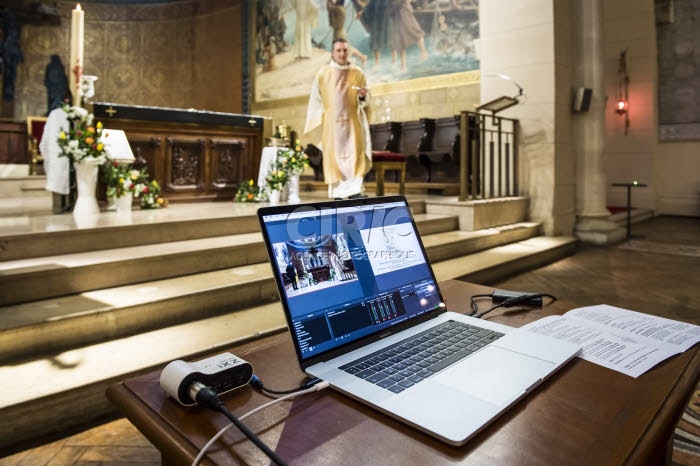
(374, 18)
(336, 20)
(306, 20)
(404, 31)
(11, 53)
(339, 101)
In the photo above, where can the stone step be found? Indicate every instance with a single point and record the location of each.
(24, 186)
(41, 326)
(46, 277)
(498, 263)
(53, 235)
(28, 206)
(64, 391)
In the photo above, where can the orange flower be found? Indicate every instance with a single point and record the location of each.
(89, 140)
(250, 196)
(90, 129)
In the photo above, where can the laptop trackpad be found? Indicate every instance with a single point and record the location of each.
(497, 375)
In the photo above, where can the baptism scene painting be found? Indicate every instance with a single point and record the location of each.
(313, 263)
(391, 40)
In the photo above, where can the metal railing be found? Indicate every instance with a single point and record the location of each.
(488, 156)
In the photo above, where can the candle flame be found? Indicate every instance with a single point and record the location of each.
(77, 6)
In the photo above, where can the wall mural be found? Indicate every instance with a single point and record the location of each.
(392, 40)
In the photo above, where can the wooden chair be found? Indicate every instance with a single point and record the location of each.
(383, 161)
(35, 129)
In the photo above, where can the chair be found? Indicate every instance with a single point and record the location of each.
(386, 160)
(35, 129)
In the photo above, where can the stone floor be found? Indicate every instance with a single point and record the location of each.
(660, 283)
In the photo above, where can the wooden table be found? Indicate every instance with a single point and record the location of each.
(584, 414)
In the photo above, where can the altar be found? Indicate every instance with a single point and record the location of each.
(193, 154)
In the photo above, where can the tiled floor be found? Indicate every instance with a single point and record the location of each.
(654, 282)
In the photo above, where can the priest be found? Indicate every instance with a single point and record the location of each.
(340, 102)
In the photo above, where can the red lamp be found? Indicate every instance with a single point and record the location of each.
(623, 81)
(621, 107)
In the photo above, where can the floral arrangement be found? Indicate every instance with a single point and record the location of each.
(121, 179)
(277, 177)
(293, 160)
(83, 142)
(150, 195)
(249, 192)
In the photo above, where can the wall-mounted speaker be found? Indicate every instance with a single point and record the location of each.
(582, 99)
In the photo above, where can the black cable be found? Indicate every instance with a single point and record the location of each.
(475, 307)
(257, 383)
(515, 301)
(208, 398)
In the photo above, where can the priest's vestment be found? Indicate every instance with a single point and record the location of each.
(346, 141)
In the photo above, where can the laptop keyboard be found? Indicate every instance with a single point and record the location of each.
(414, 359)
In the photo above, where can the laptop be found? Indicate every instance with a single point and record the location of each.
(366, 314)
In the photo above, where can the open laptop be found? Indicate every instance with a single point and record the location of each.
(355, 284)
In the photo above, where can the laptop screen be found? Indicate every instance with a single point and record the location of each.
(347, 271)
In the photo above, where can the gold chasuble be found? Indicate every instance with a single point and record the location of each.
(346, 142)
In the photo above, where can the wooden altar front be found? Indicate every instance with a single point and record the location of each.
(193, 154)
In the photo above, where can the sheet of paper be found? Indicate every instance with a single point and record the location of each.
(671, 335)
(624, 354)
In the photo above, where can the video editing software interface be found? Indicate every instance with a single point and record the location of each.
(349, 272)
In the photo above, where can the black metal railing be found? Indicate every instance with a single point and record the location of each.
(488, 156)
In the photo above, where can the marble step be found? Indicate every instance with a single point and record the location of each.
(23, 186)
(64, 391)
(46, 277)
(50, 235)
(498, 263)
(53, 324)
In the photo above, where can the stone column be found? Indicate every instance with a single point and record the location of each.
(588, 49)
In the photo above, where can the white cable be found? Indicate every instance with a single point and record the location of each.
(319, 386)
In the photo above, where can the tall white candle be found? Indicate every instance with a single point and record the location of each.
(77, 41)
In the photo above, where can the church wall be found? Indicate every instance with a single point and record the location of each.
(216, 78)
(669, 168)
(182, 54)
(531, 45)
(630, 25)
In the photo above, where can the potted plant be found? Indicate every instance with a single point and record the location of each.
(83, 145)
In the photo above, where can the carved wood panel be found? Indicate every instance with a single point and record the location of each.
(194, 160)
(229, 158)
(13, 143)
(185, 164)
(147, 150)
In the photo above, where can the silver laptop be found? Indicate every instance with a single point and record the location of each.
(366, 314)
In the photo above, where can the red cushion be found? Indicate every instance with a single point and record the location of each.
(386, 156)
(38, 129)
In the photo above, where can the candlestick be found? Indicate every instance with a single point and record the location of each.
(77, 42)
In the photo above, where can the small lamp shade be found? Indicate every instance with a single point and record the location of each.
(117, 146)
